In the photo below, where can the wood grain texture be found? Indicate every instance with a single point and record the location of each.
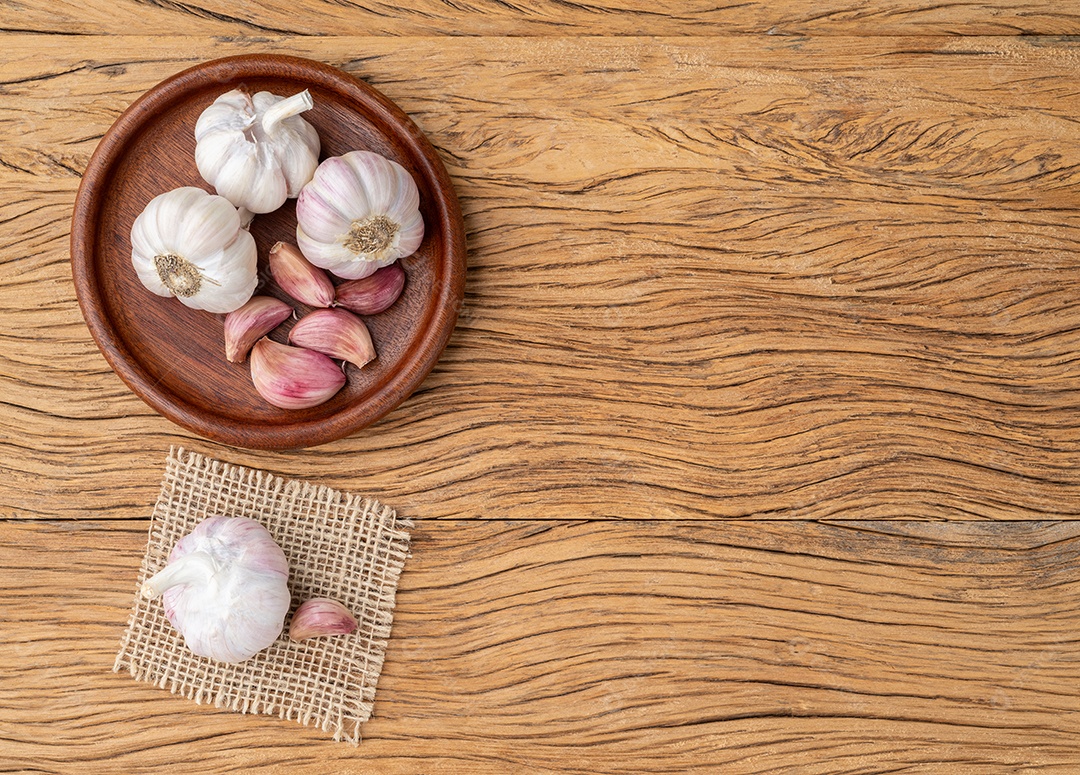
(775, 278)
(593, 647)
(754, 449)
(544, 18)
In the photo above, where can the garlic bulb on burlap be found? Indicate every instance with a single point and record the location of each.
(255, 150)
(191, 245)
(225, 588)
(360, 212)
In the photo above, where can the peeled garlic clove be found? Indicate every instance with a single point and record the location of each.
(292, 377)
(189, 244)
(225, 588)
(256, 319)
(256, 150)
(297, 277)
(372, 294)
(336, 333)
(321, 616)
(359, 212)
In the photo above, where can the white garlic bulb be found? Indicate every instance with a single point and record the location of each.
(360, 212)
(256, 151)
(190, 244)
(225, 588)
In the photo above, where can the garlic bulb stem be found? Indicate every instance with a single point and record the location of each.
(291, 106)
(197, 567)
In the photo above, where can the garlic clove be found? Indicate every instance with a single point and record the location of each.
(298, 278)
(234, 286)
(336, 333)
(246, 217)
(321, 616)
(372, 294)
(188, 214)
(411, 234)
(249, 181)
(292, 377)
(341, 188)
(322, 220)
(233, 110)
(256, 319)
(390, 188)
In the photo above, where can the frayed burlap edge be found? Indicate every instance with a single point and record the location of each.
(338, 545)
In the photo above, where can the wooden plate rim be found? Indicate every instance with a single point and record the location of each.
(416, 362)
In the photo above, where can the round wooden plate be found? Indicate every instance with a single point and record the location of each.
(173, 357)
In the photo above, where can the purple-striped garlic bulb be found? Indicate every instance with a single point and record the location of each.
(360, 212)
(225, 588)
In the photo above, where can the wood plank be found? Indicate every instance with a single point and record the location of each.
(793, 279)
(601, 648)
(495, 17)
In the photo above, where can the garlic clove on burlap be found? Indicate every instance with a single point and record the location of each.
(256, 150)
(359, 212)
(321, 616)
(190, 244)
(225, 588)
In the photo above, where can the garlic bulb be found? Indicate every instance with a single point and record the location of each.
(360, 212)
(190, 244)
(256, 151)
(225, 588)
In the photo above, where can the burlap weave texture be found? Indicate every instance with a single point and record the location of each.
(341, 546)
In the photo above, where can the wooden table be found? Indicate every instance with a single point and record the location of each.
(755, 448)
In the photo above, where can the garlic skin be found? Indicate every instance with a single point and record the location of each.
(321, 616)
(360, 212)
(225, 588)
(189, 244)
(298, 278)
(292, 377)
(256, 319)
(372, 294)
(336, 333)
(256, 151)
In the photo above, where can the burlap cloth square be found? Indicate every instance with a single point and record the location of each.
(338, 545)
